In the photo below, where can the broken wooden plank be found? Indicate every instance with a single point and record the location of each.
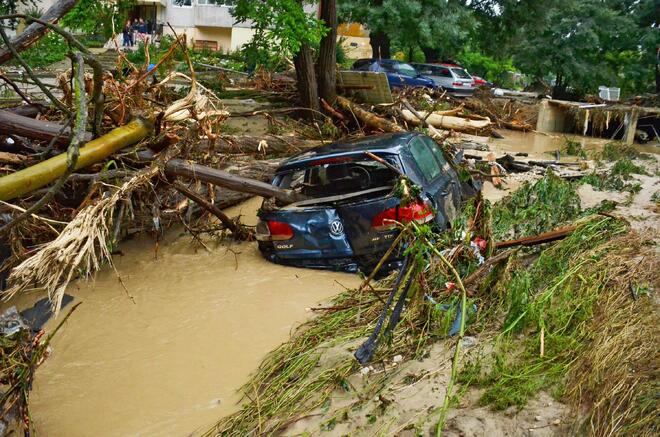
(545, 237)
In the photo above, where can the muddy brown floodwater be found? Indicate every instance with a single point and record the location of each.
(539, 145)
(170, 363)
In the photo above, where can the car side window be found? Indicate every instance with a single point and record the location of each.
(424, 159)
(388, 68)
(437, 152)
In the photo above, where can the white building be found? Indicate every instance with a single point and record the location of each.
(205, 23)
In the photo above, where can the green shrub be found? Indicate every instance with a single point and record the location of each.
(48, 50)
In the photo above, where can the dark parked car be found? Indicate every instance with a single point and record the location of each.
(399, 74)
(346, 221)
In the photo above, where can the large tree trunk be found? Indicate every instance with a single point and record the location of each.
(328, 53)
(368, 118)
(307, 85)
(431, 54)
(35, 30)
(458, 124)
(380, 45)
(275, 146)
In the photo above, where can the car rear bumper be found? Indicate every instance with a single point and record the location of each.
(349, 264)
(460, 92)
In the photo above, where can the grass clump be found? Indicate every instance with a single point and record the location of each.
(618, 177)
(536, 207)
(574, 148)
(615, 151)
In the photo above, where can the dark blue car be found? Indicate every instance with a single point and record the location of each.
(346, 221)
(399, 74)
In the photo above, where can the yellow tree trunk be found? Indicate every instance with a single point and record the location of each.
(24, 181)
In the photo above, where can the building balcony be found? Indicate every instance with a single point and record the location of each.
(213, 16)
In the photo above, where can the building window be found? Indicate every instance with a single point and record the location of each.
(182, 3)
(217, 2)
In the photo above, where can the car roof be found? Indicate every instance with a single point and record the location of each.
(378, 144)
(384, 61)
(439, 65)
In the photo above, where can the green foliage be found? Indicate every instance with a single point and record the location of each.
(48, 50)
(574, 148)
(557, 293)
(488, 67)
(582, 44)
(8, 7)
(414, 25)
(577, 44)
(95, 16)
(625, 167)
(534, 208)
(655, 198)
(615, 151)
(280, 26)
(617, 178)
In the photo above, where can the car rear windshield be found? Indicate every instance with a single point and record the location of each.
(434, 70)
(331, 179)
(460, 73)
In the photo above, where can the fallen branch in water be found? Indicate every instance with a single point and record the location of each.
(239, 231)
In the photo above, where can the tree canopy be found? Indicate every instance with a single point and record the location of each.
(574, 44)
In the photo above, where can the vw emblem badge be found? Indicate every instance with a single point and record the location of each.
(336, 228)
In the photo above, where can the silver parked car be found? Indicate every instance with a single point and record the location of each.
(452, 78)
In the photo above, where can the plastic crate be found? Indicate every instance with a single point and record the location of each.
(611, 94)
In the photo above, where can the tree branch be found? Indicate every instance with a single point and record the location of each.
(61, 106)
(74, 147)
(35, 31)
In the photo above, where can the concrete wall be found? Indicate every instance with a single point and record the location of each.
(551, 118)
(240, 36)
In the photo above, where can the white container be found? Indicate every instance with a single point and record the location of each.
(611, 94)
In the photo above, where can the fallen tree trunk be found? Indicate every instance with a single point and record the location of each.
(35, 30)
(449, 122)
(29, 179)
(368, 118)
(179, 167)
(27, 110)
(15, 124)
(250, 144)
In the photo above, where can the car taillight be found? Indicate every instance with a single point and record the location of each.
(273, 230)
(418, 212)
(279, 230)
(457, 83)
